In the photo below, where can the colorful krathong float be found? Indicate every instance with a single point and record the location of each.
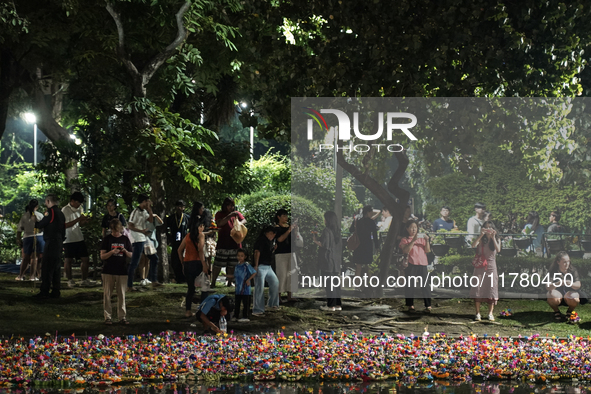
(186, 357)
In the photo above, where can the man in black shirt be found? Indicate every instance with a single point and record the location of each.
(54, 232)
(176, 228)
(263, 257)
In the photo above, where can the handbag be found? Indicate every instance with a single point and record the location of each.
(149, 248)
(239, 231)
(479, 261)
(353, 241)
(203, 282)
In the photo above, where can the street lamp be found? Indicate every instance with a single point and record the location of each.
(244, 105)
(31, 118)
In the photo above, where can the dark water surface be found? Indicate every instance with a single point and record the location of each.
(322, 388)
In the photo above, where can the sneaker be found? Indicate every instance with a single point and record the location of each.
(71, 284)
(148, 281)
(338, 308)
(327, 308)
(144, 282)
(258, 314)
(156, 284)
(478, 318)
(274, 308)
(491, 317)
(88, 283)
(18, 278)
(243, 320)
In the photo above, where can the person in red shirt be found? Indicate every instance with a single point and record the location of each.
(416, 246)
(226, 247)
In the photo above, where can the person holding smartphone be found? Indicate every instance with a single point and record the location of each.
(115, 248)
(488, 244)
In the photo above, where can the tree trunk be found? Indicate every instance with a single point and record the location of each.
(159, 208)
(6, 87)
(396, 208)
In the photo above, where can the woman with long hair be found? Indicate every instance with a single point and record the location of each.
(534, 228)
(487, 245)
(416, 247)
(32, 242)
(330, 257)
(565, 289)
(226, 247)
(194, 260)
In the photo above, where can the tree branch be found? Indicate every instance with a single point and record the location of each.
(131, 68)
(160, 58)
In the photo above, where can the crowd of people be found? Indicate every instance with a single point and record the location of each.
(200, 243)
(203, 244)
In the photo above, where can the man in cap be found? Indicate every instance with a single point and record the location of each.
(177, 225)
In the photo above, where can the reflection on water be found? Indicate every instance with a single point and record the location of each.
(321, 388)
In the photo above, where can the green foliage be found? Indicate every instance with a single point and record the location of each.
(318, 185)
(272, 172)
(503, 185)
(261, 214)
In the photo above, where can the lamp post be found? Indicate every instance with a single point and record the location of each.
(30, 118)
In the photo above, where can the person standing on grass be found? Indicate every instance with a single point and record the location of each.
(54, 232)
(330, 256)
(32, 242)
(417, 248)
(263, 258)
(487, 245)
(368, 239)
(138, 224)
(226, 247)
(193, 262)
(74, 245)
(177, 226)
(114, 250)
(285, 258)
(244, 275)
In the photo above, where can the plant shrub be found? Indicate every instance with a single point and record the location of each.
(261, 214)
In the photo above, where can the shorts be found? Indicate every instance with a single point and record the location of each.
(33, 245)
(226, 258)
(75, 250)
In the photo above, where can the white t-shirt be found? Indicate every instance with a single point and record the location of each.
(74, 233)
(139, 218)
(473, 227)
(385, 224)
(27, 224)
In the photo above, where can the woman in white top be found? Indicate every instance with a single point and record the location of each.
(32, 242)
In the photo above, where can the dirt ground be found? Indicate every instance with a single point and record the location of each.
(79, 312)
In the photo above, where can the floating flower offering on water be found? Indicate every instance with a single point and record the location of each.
(506, 313)
(104, 361)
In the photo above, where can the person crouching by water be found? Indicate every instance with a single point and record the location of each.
(211, 310)
(114, 250)
(566, 287)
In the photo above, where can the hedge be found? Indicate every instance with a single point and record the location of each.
(261, 214)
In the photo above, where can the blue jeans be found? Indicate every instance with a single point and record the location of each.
(265, 273)
(138, 249)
